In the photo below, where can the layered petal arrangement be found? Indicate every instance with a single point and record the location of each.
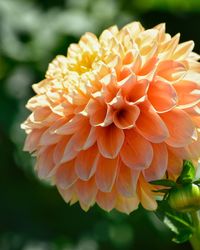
(114, 114)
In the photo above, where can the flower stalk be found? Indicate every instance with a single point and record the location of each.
(195, 240)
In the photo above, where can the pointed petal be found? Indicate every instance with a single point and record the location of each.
(66, 194)
(106, 200)
(86, 191)
(180, 127)
(175, 164)
(126, 180)
(145, 194)
(158, 165)
(150, 125)
(188, 93)
(109, 140)
(65, 175)
(32, 140)
(162, 96)
(71, 126)
(86, 163)
(136, 152)
(106, 173)
(45, 163)
(127, 205)
(49, 138)
(171, 70)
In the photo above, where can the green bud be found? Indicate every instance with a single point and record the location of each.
(185, 198)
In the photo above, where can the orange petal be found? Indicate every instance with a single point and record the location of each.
(171, 70)
(188, 93)
(59, 149)
(32, 140)
(126, 180)
(71, 126)
(126, 116)
(67, 194)
(106, 173)
(45, 163)
(162, 96)
(145, 194)
(65, 175)
(49, 138)
(136, 152)
(76, 143)
(180, 127)
(175, 164)
(106, 200)
(86, 163)
(158, 165)
(150, 125)
(86, 191)
(109, 140)
(127, 205)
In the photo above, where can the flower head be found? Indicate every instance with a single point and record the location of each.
(114, 114)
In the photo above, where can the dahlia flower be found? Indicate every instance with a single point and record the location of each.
(114, 114)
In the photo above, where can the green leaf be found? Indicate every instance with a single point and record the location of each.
(179, 223)
(188, 173)
(164, 182)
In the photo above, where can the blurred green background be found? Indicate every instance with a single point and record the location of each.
(32, 214)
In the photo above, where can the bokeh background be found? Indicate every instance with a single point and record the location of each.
(32, 33)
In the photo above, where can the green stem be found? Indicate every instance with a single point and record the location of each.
(195, 240)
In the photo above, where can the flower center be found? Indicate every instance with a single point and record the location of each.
(83, 63)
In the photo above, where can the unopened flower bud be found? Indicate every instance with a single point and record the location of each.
(185, 198)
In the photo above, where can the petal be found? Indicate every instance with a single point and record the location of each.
(106, 200)
(180, 127)
(45, 163)
(188, 93)
(126, 180)
(158, 165)
(145, 194)
(66, 194)
(32, 140)
(171, 70)
(86, 163)
(126, 116)
(65, 175)
(98, 112)
(175, 164)
(162, 96)
(127, 205)
(183, 50)
(106, 173)
(49, 138)
(134, 90)
(86, 191)
(71, 126)
(150, 125)
(59, 149)
(76, 143)
(136, 152)
(109, 140)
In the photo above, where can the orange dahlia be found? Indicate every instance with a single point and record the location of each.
(114, 114)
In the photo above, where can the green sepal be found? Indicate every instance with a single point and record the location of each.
(179, 223)
(163, 182)
(164, 190)
(187, 174)
(197, 182)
